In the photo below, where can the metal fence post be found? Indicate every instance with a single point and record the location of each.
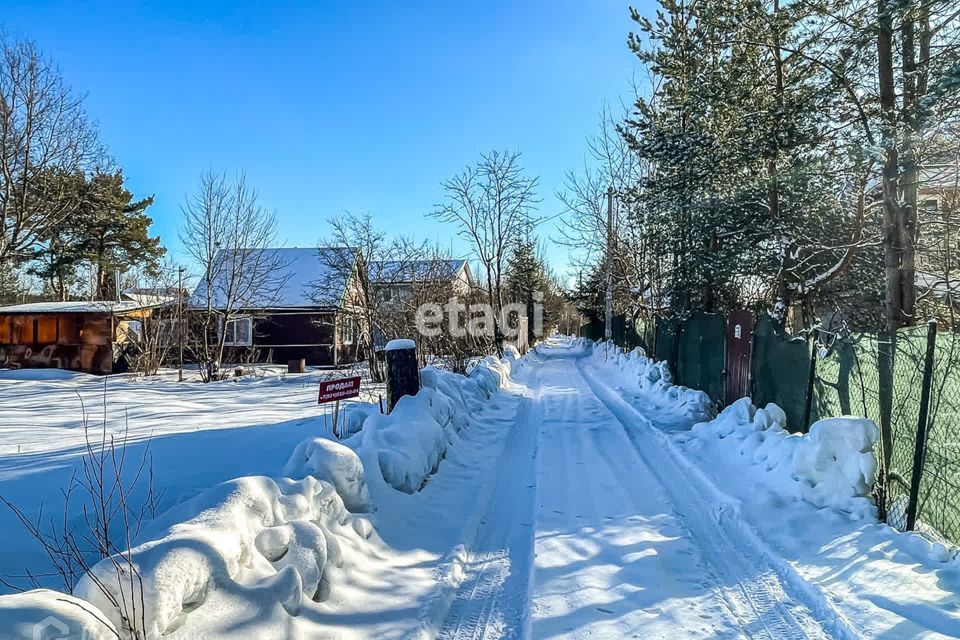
(808, 408)
(920, 449)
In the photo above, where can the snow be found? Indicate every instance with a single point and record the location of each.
(40, 375)
(652, 380)
(787, 500)
(250, 544)
(303, 278)
(327, 459)
(574, 492)
(832, 466)
(197, 435)
(43, 614)
(411, 271)
(400, 344)
(95, 306)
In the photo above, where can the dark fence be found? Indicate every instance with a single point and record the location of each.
(908, 384)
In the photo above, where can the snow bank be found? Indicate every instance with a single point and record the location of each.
(404, 448)
(254, 540)
(249, 552)
(652, 379)
(831, 466)
(326, 459)
(43, 614)
(44, 375)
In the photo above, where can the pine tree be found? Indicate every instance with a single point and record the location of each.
(527, 280)
(116, 232)
(108, 232)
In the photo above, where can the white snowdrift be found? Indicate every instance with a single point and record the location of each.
(251, 551)
(326, 459)
(404, 448)
(652, 379)
(831, 466)
(47, 614)
(252, 540)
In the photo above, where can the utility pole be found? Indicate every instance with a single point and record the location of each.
(180, 318)
(608, 311)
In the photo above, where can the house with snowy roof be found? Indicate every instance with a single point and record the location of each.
(394, 281)
(286, 304)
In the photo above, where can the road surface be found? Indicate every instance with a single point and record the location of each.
(592, 530)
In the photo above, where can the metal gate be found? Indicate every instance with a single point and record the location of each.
(737, 363)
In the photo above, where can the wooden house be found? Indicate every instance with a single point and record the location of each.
(302, 306)
(80, 336)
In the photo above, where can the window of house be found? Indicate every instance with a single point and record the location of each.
(930, 205)
(387, 294)
(239, 332)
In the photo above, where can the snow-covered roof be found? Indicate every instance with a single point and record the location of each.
(407, 271)
(80, 306)
(152, 297)
(280, 278)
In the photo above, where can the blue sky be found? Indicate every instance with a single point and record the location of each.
(361, 106)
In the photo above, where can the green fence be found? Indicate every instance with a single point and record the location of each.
(700, 356)
(781, 371)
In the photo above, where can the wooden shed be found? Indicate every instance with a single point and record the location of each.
(79, 336)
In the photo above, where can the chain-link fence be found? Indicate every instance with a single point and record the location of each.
(909, 385)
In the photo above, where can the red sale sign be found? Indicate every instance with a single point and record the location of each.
(339, 389)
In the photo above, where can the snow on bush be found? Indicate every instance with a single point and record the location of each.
(652, 379)
(326, 459)
(49, 614)
(262, 541)
(831, 466)
(404, 448)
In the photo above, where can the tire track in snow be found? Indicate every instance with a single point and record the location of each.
(492, 602)
(612, 560)
(770, 605)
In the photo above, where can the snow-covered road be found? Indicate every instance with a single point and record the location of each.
(567, 494)
(623, 543)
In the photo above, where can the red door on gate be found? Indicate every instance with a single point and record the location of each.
(739, 341)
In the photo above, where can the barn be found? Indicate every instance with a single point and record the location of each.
(79, 336)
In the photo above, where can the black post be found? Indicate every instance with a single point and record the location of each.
(886, 351)
(808, 408)
(920, 450)
(403, 372)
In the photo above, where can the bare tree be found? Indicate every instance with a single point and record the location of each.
(232, 238)
(153, 340)
(609, 162)
(358, 255)
(491, 202)
(105, 483)
(44, 131)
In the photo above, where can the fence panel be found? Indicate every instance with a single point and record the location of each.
(781, 371)
(938, 510)
(701, 353)
(592, 330)
(646, 335)
(666, 342)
